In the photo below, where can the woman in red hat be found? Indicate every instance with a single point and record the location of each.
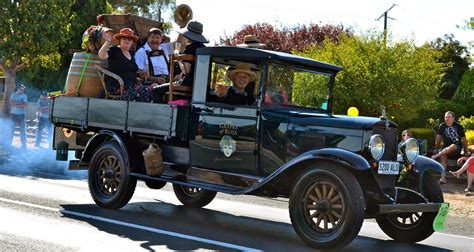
(122, 63)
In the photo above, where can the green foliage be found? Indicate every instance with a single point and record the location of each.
(457, 57)
(470, 137)
(424, 133)
(465, 92)
(402, 77)
(33, 30)
(467, 122)
(436, 110)
(146, 8)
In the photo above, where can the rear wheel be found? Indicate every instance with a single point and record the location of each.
(327, 207)
(193, 196)
(413, 227)
(110, 183)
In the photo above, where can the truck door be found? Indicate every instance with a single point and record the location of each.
(223, 136)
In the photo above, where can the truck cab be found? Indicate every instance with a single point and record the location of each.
(335, 170)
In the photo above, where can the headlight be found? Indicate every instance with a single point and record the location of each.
(376, 146)
(410, 150)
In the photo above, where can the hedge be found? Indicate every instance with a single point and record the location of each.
(424, 133)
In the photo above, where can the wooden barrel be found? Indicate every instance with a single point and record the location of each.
(90, 85)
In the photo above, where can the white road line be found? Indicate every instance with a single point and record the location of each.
(131, 225)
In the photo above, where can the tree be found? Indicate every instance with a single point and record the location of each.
(400, 77)
(31, 32)
(146, 8)
(82, 15)
(458, 59)
(286, 39)
(465, 93)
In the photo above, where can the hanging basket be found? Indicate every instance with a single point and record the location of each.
(153, 160)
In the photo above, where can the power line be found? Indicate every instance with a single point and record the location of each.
(385, 17)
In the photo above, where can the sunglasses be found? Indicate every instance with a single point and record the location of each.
(127, 39)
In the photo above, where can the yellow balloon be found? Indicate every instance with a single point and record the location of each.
(352, 111)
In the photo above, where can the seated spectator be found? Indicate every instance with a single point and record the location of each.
(193, 35)
(452, 135)
(406, 134)
(469, 167)
(241, 76)
(121, 62)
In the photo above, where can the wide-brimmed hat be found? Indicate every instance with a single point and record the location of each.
(241, 68)
(193, 31)
(125, 33)
(251, 41)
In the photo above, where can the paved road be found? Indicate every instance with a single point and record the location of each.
(42, 211)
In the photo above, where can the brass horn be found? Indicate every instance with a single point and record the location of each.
(182, 15)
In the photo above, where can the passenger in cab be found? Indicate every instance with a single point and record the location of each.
(241, 75)
(194, 40)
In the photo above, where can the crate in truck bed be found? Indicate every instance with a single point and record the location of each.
(138, 117)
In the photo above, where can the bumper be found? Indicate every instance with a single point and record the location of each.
(408, 208)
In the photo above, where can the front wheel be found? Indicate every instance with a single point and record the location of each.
(110, 183)
(413, 227)
(327, 207)
(193, 196)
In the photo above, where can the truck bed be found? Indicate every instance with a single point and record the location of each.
(91, 114)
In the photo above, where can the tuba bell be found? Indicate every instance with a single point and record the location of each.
(182, 15)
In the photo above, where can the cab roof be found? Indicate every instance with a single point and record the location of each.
(253, 53)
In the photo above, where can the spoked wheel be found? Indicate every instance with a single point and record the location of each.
(193, 196)
(416, 226)
(327, 207)
(110, 184)
(324, 205)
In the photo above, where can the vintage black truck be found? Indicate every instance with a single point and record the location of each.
(335, 170)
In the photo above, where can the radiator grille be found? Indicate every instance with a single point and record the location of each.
(390, 136)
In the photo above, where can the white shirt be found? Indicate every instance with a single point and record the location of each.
(159, 63)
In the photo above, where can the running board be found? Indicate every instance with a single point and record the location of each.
(408, 208)
(77, 165)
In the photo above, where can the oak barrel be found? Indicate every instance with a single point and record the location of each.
(90, 85)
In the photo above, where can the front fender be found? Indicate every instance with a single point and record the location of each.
(99, 138)
(340, 156)
(424, 164)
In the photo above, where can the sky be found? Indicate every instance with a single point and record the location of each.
(421, 20)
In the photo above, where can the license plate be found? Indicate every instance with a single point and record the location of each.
(388, 167)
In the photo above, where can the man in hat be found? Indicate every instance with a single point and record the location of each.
(251, 41)
(194, 40)
(43, 105)
(18, 103)
(241, 75)
(153, 57)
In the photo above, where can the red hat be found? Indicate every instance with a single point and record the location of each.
(125, 33)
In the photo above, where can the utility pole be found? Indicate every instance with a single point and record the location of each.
(385, 17)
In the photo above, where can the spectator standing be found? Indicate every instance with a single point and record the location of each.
(18, 103)
(43, 105)
(452, 135)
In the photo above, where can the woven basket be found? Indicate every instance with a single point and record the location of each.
(153, 160)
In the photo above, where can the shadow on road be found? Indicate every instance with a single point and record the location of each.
(214, 225)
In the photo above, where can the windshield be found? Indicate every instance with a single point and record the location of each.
(292, 86)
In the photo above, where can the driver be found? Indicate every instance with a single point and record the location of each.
(241, 76)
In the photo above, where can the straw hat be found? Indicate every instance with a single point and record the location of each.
(241, 68)
(125, 33)
(251, 41)
(193, 31)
